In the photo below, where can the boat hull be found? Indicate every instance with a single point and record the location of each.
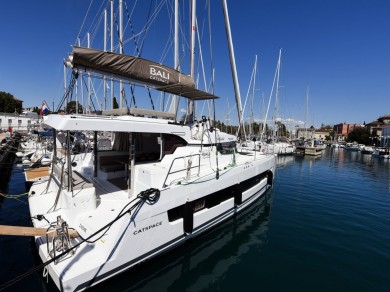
(153, 229)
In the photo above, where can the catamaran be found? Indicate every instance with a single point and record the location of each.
(161, 183)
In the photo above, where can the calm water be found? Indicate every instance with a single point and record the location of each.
(324, 227)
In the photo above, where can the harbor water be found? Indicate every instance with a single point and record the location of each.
(325, 226)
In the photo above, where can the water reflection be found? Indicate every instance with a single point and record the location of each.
(200, 262)
(284, 160)
(5, 170)
(374, 168)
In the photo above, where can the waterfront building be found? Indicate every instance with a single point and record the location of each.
(342, 130)
(18, 122)
(305, 133)
(321, 134)
(375, 128)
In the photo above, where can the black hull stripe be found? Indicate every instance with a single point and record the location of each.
(178, 241)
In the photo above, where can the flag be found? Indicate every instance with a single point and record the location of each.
(44, 109)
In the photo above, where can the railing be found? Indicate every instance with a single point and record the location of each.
(187, 168)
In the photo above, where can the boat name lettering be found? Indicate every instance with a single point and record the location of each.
(159, 74)
(147, 228)
(205, 153)
(83, 228)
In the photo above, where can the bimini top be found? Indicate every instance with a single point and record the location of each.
(137, 70)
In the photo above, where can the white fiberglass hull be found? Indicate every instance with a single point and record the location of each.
(280, 148)
(148, 232)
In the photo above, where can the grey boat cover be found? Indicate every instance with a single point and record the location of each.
(139, 70)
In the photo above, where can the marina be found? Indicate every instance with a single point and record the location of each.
(326, 229)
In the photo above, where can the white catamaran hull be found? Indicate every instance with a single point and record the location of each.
(150, 231)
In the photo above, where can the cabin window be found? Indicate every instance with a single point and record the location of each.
(171, 142)
(147, 147)
(9, 122)
(227, 147)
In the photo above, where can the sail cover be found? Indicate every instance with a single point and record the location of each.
(136, 69)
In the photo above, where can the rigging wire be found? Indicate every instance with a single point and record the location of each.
(86, 86)
(148, 23)
(85, 17)
(139, 52)
(69, 90)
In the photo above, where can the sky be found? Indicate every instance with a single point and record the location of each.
(335, 53)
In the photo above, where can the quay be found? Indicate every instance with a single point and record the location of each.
(312, 151)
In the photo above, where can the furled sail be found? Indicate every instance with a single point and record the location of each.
(136, 69)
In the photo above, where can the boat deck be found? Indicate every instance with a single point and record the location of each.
(35, 173)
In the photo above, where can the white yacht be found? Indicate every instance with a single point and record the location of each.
(160, 184)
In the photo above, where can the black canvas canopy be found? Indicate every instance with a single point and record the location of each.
(137, 69)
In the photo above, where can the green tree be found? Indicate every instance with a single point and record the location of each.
(359, 135)
(282, 130)
(115, 105)
(330, 136)
(71, 107)
(8, 103)
(36, 110)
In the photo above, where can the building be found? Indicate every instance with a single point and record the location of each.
(305, 133)
(375, 128)
(18, 123)
(321, 134)
(342, 130)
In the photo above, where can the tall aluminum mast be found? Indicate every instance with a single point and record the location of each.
(174, 101)
(121, 89)
(233, 62)
(112, 49)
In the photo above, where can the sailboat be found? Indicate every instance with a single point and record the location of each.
(161, 184)
(279, 145)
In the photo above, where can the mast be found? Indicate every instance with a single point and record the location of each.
(121, 89)
(276, 108)
(227, 114)
(89, 79)
(105, 49)
(64, 84)
(307, 108)
(112, 49)
(173, 106)
(251, 132)
(81, 82)
(233, 62)
(192, 65)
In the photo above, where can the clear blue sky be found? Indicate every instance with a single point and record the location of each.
(339, 48)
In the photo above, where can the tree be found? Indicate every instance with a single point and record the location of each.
(115, 104)
(71, 107)
(282, 130)
(331, 136)
(359, 135)
(8, 104)
(36, 110)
